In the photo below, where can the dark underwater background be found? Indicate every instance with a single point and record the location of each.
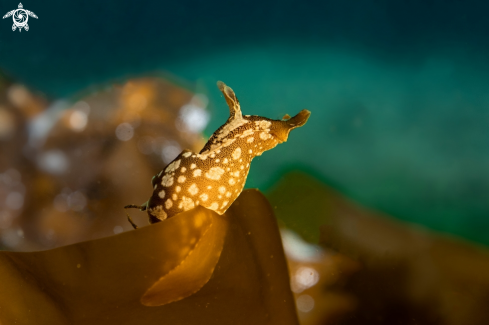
(398, 90)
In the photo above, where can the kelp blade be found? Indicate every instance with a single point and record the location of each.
(103, 281)
(194, 271)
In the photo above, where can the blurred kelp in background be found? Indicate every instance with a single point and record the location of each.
(371, 269)
(70, 161)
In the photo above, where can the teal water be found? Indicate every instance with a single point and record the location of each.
(407, 138)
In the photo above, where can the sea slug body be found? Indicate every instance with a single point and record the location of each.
(217, 174)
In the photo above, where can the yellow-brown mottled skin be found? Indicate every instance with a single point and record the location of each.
(215, 177)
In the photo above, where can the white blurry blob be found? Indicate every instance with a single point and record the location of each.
(12, 237)
(118, 229)
(18, 95)
(7, 124)
(82, 106)
(78, 120)
(77, 201)
(49, 237)
(6, 219)
(14, 200)
(305, 303)
(304, 278)
(60, 202)
(170, 151)
(194, 115)
(53, 161)
(13, 174)
(79, 116)
(10, 177)
(68, 200)
(40, 126)
(124, 131)
(297, 249)
(158, 144)
(11, 196)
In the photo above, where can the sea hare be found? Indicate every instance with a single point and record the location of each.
(219, 261)
(214, 177)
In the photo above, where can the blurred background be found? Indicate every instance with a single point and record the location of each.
(382, 197)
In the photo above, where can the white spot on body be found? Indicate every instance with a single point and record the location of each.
(178, 189)
(265, 136)
(263, 124)
(232, 181)
(193, 189)
(250, 140)
(197, 172)
(158, 212)
(228, 194)
(224, 204)
(229, 127)
(167, 180)
(193, 166)
(204, 197)
(183, 169)
(168, 204)
(250, 151)
(173, 166)
(225, 160)
(188, 203)
(214, 206)
(236, 153)
(181, 179)
(222, 189)
(161, 194)
(174, 197)
(246, 133)
(187, 154)
(214, 173)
